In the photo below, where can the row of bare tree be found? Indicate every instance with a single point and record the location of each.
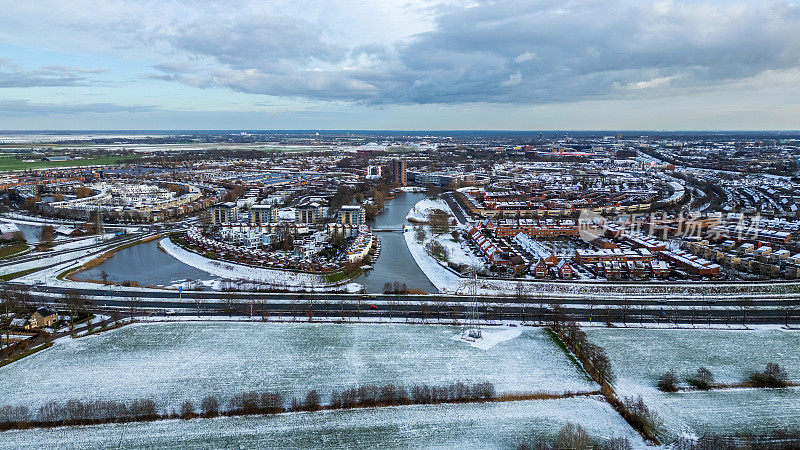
(81, 412)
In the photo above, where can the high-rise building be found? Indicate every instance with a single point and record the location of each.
(397, 167)
(351, 215)
(224, 213)
(263, 214)
(309, 213)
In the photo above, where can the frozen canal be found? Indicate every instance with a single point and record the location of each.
(639, 357)
(466, 426)
(173, 362)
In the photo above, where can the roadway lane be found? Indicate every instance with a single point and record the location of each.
(347, 306)
(147, 295)
(455, 207)
(347, 311)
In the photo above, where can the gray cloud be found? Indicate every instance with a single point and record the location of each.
(13, 76)
(263, 42)
(485, 51)
(548, 51)
(26, 108)
(174, 67)
(527, 52)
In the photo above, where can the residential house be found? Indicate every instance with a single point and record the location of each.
(43, 317)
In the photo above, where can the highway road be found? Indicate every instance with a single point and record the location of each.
(455, 207)
(292, 305)
(366, 311)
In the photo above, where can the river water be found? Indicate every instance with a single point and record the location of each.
(395, 262)
(149, 266)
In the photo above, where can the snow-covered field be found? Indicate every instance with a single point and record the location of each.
(457, 252)
(465, 426)
(423, 209)
(172, 362)
(639, 357)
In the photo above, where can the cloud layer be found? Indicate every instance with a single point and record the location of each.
(528, 52)
(14, 76)
(411, 52)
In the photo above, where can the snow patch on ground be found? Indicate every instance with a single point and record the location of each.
(412, 189)
(457, 252)
(492, 336)
(354, 288)
(422, 210)
(442, 278)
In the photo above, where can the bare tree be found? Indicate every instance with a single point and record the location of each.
(76, 304)
(133, 305)
(440, 306)
(10, 304)
(228, 299)
(209, 407)
(744, 306)
(187, 410)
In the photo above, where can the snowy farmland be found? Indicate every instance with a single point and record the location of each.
(639, 357)
(466, 426)
(172, 362)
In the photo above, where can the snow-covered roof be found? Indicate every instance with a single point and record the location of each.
(531, 246)
(8, 228)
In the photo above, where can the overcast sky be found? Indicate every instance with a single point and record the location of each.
(400, 64)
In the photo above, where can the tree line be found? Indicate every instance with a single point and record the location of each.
(592, 356)
(773, 376)
(89, 412)
(782, 439)
(596, 363)
(78, 412)
(421, 394)
(575, 437)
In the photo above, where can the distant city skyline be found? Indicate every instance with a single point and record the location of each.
(401, 65)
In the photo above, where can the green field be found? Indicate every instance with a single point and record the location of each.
(11, 163)
(12, 249)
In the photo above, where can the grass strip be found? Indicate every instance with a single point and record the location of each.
(12, 250)
(19, 356)
(21, 273)
(554, 336)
